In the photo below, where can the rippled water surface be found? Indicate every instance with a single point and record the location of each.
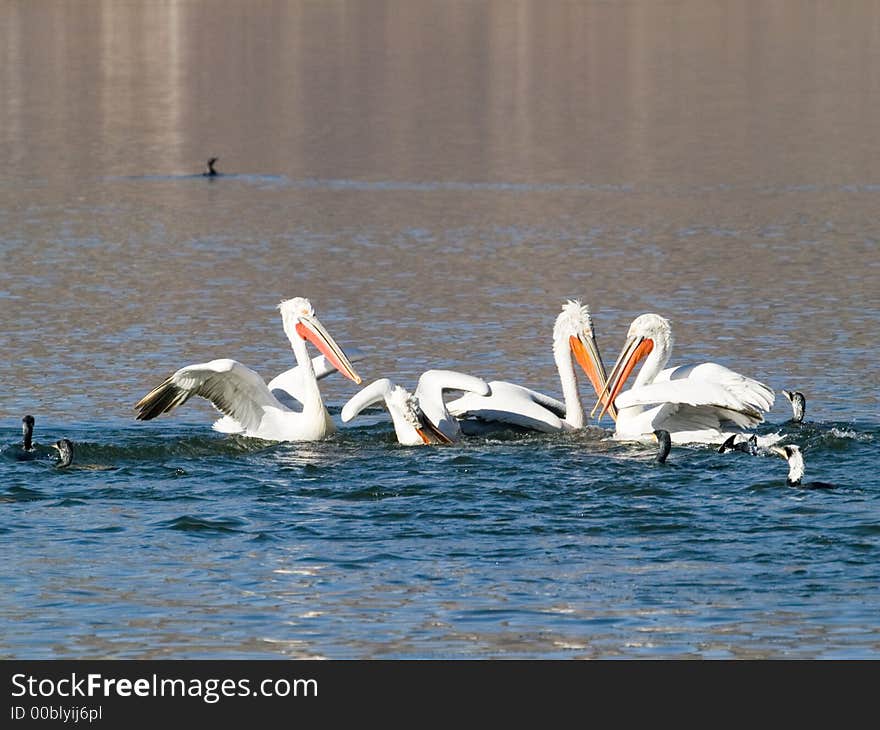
(437, 178)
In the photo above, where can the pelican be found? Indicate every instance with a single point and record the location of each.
(695, 403)
(515, 405)
(291, 387)
(238, 392)
(420, 418)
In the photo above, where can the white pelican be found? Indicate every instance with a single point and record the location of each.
(420, 418)
(238, 392)
(695, 403)
(513, 404)
(291, 386)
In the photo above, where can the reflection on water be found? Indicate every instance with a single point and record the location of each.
(438, 178)
(701, 92)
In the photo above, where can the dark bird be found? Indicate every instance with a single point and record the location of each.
(792, 454)
(749, 446)
(65, 452)
(211, 172)
(27, 433)
(798, 404)
(25, 451)
(664, 440)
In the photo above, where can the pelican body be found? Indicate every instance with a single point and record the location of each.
(238, 392)
(419, 418)
(513, 404)
(291, 387)
(702, 403)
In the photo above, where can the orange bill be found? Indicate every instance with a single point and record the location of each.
(635, 350)
(586, 353)
(309, 328)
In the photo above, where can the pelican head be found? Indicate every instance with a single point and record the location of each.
(646, 333)
(792, 454)
(573, 329)
(408, 405)
(300, 323)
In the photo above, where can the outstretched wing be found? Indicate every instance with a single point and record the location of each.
(233, 389)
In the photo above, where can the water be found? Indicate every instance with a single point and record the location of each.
(438, 178)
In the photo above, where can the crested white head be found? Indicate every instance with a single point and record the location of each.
(652, 326)
(292, 310)
(296, 307)
(406, 403)
(572, 320)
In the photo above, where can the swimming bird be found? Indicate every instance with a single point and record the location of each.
(512, 404)
(792, 454)
(27, 435)
(422, 417)
(211, 172)
(664, 441)
(747, 445)
(701, 403)
(65, 453)
(798, 404)
(26, 450)
(291, 386)
(238, 392)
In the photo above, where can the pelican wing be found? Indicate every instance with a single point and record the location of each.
(233, 389)
(708, 385)
(513, 404)
(288, 387)
(680, 418)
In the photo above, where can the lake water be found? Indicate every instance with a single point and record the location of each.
(437, 178)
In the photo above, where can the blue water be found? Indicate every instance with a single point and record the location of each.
(438, 178)
(165, 541)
